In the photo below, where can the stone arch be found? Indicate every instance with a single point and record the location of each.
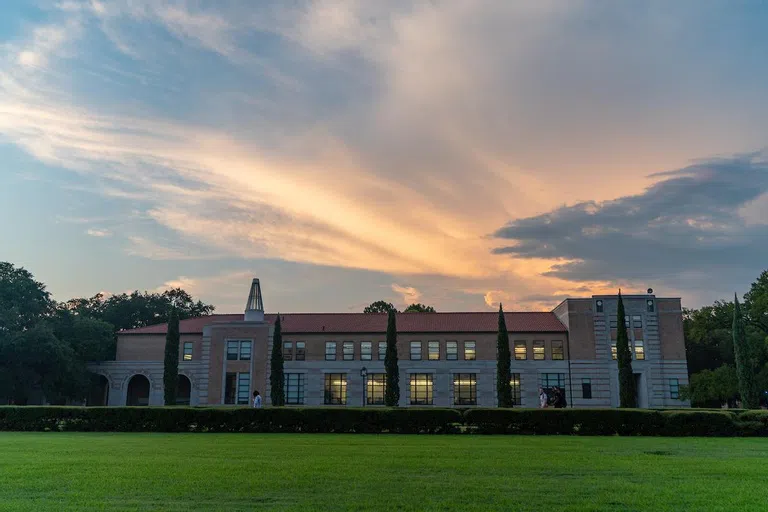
(99, 393)
(183, 390)
(138, 390)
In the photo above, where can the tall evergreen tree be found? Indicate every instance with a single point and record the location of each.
(171, 363)
(503, 362)
(392, 390)
(746, 364)
(276, 374)
(627, 385)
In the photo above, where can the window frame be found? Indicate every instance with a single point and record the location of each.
(674, 389)
(301, 351)
(233, 350)
(413, 352)
(243, 388)
(639, 350)
(637, 321)
(287, 351)
(464, 382)
(187, 354)
(245, 354)
(650, 306)
(348, 351)
(340, 384)
(516, 383)
(298, 386)
(599, 306)
(433, 349)
(470, 347)
(330, 355)
(524, 345)
(415, 392)
(366, 351)
(586, 388)
(452, 355)
(375, 383)
(382, 350)
(542, 348)
(558, 350)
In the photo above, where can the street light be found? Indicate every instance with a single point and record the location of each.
(364, 374)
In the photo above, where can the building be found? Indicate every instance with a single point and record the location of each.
(445, 359)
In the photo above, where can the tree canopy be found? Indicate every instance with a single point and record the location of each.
(380, 306)
(419, 308)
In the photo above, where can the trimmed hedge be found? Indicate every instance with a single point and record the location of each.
(589, 422)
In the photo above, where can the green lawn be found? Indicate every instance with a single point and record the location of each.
(58, 471)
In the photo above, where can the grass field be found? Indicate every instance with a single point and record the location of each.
(182, 472)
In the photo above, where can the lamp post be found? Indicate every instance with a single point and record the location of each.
(364, 375)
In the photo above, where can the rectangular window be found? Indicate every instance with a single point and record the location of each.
(637, 321)
(451, 350)
(374, 388)
(415, 351)
(238, 349)
(557, 351)
(233, 348)
(434, 350)
(674, 389)
(335, 389)
(515, 384)
(538, 350)
(230, 388)
(382, 350)
(550, 380)
(613, 350)
(639, 350)
(349, 350)
(650, 306)
(421, 389)
(366, 350)
(465, 389)
(245, 350)
(599, 306)
(521, 351)
(330, 350)
(301, 351)
(288, 350)
(188, 350)
(586, 389)
(470, 352)
(243, 388)
(294, 388)
(613, 323)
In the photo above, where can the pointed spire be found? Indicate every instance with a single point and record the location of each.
(254, 308)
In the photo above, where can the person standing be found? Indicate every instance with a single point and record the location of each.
(542, 398)
(256, 400)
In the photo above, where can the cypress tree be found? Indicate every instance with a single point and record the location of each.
(276, 374)
(503, 362)
(392, 390)
(171, 362)
(627, 385)
(745, 361)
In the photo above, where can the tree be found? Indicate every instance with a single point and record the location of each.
(380, 306)
(23, 301)
(171, 363)
(91, 339)
(756, 303)
(746, 361)
(503, 362)
(276, 373)
(708, 336)
(392, 389)
(419, 308)
(627, 386)
(712, 388)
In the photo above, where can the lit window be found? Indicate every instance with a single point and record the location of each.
(245, 350)
(538, 350)
(613, 350)
(300, 350)
(330, 350)
(674, 389)
(288, 350)
(232, 350)
(366, 350)
(465, 389)
(521, 351)
(188, 350)
(514, 382)
(557, 351)
(421, 389)
(335, 389)
(599, 306)
(637, 321)
(349, 350)
(382, 350)
(415, 351)
(375, 386)
(649, 305)
(639, 350)
(586, 388)
(470, 353)
(294, 388)
(243, 388)
(451, 350)
(434, 350)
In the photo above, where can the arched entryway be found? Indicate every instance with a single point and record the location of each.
(99, 395)
(138, 391)
(183, 390)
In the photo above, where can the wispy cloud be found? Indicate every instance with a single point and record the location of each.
(409, 294)
(99, 233)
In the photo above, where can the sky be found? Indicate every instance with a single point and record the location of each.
(454, 153)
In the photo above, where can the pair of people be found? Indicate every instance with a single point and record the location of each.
(557, 400)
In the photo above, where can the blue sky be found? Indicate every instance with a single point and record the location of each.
(453, 153)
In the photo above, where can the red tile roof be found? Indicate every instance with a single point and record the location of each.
(305, 323)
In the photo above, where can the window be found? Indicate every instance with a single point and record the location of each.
(614, 324)
(470, 353)
(637, 321)
(550, 380)
(294, 388)
(238, 349)
(335, 389)
(434, 350)
(230, 388)
(557, 351)
(451, 350)
(288, 350)
(465, 389)
(245, 350)
(301, 350)
(639, 350)
(521, 351)
(243, 388)
(421, 389)
(599, 306)
(366, 350)
(349, 350)
(330, 350)
(374, 388)
(233, 348)
(538, 350)
(586, 389)
(674, 389)
(515, 384)
(188, 350)
(415, 351)
(613, 350)
(382, 350)
(649, 306)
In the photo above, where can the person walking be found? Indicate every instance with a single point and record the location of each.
(256, 400)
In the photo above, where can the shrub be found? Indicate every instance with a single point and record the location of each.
(699, 423)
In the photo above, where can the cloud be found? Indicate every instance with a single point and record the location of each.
(410, 294)
(99, 233)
